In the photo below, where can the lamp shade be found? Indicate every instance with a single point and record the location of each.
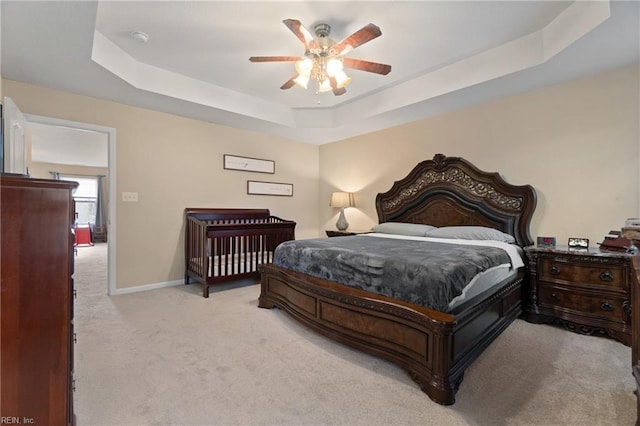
(342, 199)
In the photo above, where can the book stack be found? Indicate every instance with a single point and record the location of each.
(631, 228)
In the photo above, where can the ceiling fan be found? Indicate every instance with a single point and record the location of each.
(324, 58)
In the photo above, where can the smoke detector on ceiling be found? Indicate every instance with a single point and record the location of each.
(139, 36)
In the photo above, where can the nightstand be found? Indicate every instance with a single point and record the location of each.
(587, 291)
(338, 233)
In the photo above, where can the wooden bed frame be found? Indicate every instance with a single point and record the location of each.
(228, 244)
(434, 347)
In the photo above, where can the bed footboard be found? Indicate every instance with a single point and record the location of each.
(433, 347)
(223, 245)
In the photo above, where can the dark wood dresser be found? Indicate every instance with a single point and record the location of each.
(587, 291)
(36, 301)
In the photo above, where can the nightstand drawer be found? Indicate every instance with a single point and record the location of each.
(605, 275)
(605, 307)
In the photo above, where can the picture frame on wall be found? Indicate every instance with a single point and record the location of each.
(255, 187)
(248, 164)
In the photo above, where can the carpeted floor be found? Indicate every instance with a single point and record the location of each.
(169, 356)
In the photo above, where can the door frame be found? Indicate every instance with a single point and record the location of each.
(110, 132)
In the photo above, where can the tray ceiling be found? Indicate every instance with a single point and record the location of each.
(445, 55)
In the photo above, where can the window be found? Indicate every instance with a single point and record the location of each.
(86, 196)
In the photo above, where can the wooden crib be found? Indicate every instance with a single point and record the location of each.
(228, 244)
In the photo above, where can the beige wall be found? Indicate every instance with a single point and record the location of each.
(174, 162)
(576, 143)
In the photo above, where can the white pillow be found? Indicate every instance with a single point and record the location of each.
(401, 228)
(470, 233)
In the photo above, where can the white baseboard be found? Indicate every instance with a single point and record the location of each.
(145, 287)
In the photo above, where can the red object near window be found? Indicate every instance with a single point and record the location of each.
(83, 235)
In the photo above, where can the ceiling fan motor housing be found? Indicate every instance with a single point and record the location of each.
(322, 30)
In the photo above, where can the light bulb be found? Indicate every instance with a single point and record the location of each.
(342, 79)
(304, 66)
(302, 80)
(334, 67)
(324, 86)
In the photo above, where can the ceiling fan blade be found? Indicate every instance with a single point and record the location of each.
(363, 35)
(289, 83)
(301, 32)
(274, 58)
(361, 65)
(334, 87)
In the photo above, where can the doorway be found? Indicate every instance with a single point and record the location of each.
(82, 144)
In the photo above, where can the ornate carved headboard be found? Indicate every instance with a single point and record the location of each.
(448, 191)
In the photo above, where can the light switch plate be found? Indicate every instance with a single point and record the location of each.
(130, 197)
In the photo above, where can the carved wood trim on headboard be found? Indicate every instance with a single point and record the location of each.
(449, 191)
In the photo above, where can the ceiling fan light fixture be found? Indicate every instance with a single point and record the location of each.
(324, 86)
(302, 80)
(334, 66)
(323, 58)
(304, 66)
(342, 79)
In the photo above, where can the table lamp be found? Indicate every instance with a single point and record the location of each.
(342, 200)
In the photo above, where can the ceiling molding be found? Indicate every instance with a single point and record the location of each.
(445, 56)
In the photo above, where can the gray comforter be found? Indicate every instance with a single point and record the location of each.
(429, 274)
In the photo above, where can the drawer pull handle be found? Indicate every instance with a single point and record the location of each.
(606, 276)
(554, 297)
(555, 270)
(606, 306)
